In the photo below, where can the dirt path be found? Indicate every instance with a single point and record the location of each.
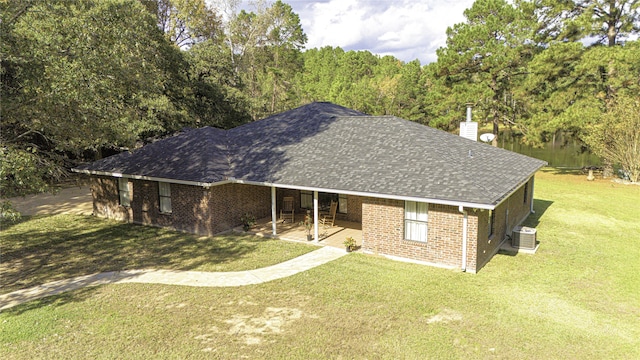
(73, 200)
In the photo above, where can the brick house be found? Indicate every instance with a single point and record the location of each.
(419, 193)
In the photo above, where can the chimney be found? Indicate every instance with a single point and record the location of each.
(469, 129)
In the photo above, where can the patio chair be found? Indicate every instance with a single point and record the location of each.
(329, 219)
(287, 211)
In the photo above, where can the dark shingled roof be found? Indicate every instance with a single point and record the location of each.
(326, 146)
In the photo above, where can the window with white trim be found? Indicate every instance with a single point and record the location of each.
(164, 192)
(306, 199)
(342, 203)
(492, 222)
(123, 191)
(415, 220)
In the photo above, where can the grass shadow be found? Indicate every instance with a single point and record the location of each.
(7, 225)
(49, 248)
(563, 171)
(540, 206)
(73, 296)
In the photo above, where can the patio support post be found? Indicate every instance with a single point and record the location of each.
(315, 216)
(273, 210)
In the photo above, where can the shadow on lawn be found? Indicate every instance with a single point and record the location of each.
(540, 206)
(59, 292)
(563, 171)
(77, 245)
(533, 220)
(28, 303)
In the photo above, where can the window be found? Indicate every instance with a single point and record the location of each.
(164, 190)
(342, 203)
(415, 221)
(123, 191)
(492, 222)
(306, 199)
(325, 200)
(526, 191)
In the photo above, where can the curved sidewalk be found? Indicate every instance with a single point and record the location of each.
(176, 277)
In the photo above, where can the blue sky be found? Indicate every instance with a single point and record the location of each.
(406, 29)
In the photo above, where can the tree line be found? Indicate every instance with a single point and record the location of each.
(85, 78)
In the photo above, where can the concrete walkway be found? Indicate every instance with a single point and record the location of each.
(176, 277)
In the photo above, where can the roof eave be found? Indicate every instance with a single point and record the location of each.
(368, 194)
(151, 178)
(515, 188)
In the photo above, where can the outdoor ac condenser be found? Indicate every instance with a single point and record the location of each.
(524, 238)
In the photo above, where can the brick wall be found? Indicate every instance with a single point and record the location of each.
(473, 223)
(508, 215)
(230, 201)
(383, 233)
(354, 209)
(106, 200)
(194, 209)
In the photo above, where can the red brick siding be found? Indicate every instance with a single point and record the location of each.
(518, 210)
(382, 225)
(472, 239)
(230, 201)
(106, 199)
(354, 209)
(383, 232)
(194, 209)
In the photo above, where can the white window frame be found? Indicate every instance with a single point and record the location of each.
(491, 222)
(416, 218)
(123, 192)
(306, 199)
(342, 203)
(164, 194)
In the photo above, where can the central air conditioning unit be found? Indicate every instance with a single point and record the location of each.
(524, 238)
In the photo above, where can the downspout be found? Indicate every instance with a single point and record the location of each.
(315, 217)
(533, 181)
(464, 236)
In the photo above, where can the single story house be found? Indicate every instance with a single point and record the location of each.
(419, 193)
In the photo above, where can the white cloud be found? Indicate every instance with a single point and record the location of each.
(406, 29)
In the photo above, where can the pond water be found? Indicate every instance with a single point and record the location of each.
(563, 151)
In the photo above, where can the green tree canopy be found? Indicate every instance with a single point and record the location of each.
(485, 58)
(80, 75)
(185, 22)
(608, 21)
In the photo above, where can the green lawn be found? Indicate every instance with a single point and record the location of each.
(43, 249)
(578, 297)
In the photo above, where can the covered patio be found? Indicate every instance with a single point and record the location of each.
(295, 231)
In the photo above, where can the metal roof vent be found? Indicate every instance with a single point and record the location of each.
(469, 129)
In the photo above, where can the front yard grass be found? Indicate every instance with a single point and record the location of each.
(47, 248)
(576, 298)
